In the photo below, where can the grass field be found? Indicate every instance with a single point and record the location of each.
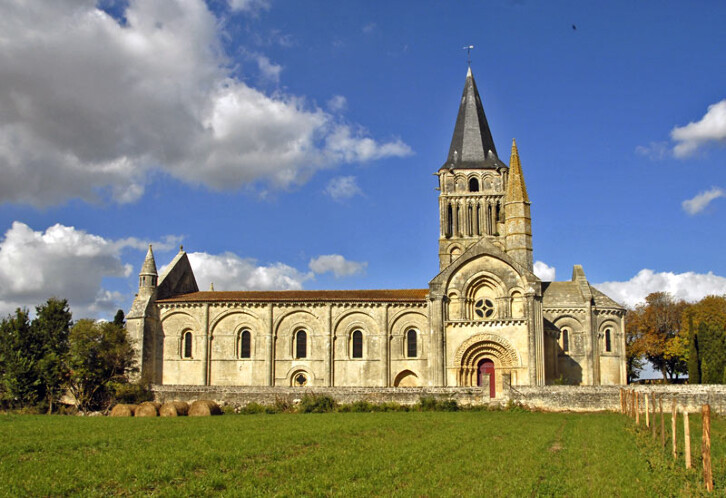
(512, 453)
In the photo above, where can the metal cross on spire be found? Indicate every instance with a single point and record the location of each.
(468, 53)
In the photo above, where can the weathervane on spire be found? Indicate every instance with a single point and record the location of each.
(468, 53)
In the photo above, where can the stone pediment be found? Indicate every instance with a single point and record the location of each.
(482, 247)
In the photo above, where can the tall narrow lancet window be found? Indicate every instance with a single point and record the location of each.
(411, 344)
(301, 344)
(489, 220)
(458, 222)
(187, 345)
(473, 185)
(608, 341)
(565, 340)
(470, 221)
(449, 221)
(357, 344)
(245, 343)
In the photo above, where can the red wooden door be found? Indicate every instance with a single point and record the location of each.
(486, 367)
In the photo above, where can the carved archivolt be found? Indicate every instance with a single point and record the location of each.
(487, 345)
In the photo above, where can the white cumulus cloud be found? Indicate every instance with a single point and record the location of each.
(337, 264)
(65, 262)
(227, 271)
(710, 128)
(90, 107)
(545, 272)
(343, 187)
(337, 103)
(689, 286)
(702, 200)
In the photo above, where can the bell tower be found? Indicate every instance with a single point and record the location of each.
(472, 182)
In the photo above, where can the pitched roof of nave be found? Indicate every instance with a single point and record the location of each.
(395, 295)
(563, 294)
(472, 146)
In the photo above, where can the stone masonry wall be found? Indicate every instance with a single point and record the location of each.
(547, 398)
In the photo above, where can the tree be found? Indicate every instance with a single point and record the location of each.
(119, 319)
(705, 326)
(19, 354)
(713, 352)
(694, 361)
(50, 330)
(659, 327)
(634, 345)
(100, 355)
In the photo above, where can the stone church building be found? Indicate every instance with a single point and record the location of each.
(485, 320)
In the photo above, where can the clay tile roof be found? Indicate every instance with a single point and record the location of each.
(396, 295)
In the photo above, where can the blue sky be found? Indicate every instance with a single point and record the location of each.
(292, 144)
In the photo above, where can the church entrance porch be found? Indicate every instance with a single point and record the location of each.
(483, 360)
(486, 370)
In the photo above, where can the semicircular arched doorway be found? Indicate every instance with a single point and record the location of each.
(486, 367)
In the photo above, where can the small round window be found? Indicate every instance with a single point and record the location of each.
(484, 308)
(300, 380)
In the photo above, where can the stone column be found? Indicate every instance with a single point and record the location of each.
(270, 353)
(205, 347)
(539, 341)
(385, 348)
(329, 344)
(437, 350)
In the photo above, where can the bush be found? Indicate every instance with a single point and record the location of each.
(132, 393)
(253, 408)
(431, 404)
(317, 403)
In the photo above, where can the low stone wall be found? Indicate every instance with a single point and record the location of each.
(547, 398)
(607, 398)
(241, 396)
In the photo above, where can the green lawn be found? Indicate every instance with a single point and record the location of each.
(405, 454)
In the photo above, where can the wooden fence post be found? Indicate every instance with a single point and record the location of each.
(674, 427)
(647, 411)
(706, 447)
(652, 424)
(662, 422)
(637, 408)
(686, 439)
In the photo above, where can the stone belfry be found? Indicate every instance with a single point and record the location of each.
(472, 183)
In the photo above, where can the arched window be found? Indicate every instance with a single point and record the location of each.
(565, 340)
(301, 344)
(449, 221)
(411, 344)
(187, 345)
(473, 185)
(357, 346)
(608, 342)
(245, 343)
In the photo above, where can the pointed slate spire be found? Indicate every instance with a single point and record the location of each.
(472, 145)
(516, 189)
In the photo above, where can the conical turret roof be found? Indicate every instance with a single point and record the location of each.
(472, 146)
(149, 266)
(516, 188)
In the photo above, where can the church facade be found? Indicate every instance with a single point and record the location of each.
(485, 320)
